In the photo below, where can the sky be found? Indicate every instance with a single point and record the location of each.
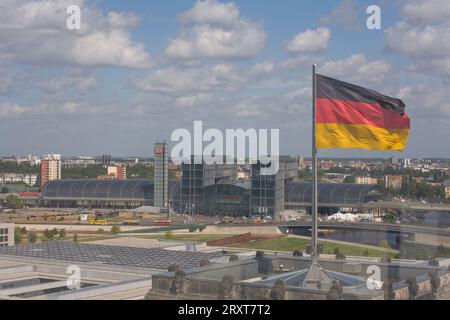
(137, 70)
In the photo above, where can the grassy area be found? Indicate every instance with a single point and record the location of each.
(292, 244)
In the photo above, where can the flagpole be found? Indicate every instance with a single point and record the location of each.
(314, 227)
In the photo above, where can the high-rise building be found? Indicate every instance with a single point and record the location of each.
(267, 191)
(50, 168)
(117, 172)
(161, 175)
(197, 176)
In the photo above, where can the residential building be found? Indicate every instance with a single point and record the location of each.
(118, 172)
(394, 182)
(50, 168)
(366, 180)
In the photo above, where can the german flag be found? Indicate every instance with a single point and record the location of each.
(349, 116)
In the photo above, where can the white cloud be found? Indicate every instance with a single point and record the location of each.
(426, 11)
(36, 32)
(310, 41)
(357, 68)
(346, 14)
(72, 80)
(423, 35)
(8, 110)
(215, 30)
(204, 79)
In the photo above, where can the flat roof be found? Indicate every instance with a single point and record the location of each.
(148, 258)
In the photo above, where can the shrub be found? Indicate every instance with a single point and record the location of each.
(62, 233)
(204, 262)
(259, 254)
(340, 256)
(384, 244)
(32, 237)
(297, 253)
(115, 230)
(234, 258)
(75, 238)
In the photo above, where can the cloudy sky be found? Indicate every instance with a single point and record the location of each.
(137, 70)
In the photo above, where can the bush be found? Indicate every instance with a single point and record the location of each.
(32, 237)
(115, 230)
(75, 238)
(433, 263)
(384, 244)
(62, 233)
(169, 234)
(336, 251)
(297, 253)
(233, 258)
(204, 262)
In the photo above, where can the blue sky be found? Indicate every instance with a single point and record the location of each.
(137, 70)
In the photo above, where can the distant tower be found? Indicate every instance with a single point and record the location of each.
(161, 175)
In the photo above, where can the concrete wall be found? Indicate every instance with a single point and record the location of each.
(255, 230)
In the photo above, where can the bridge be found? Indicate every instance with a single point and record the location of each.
(406, 229)
(416, 206)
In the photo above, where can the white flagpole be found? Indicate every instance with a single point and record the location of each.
(314, 226)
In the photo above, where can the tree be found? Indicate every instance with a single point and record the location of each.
(32, 237)
(435, 282)
(336, 292)
(413, 287)
(388, 289)
(278, 291)
(75, 238)
(115, 230)
(13, 202)
(62, 233)
(5, 190)
(18, 235)
(226, 288)
(350, 179)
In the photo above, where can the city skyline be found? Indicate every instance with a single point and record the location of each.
(159, 66)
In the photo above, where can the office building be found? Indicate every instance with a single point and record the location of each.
(161, 175)
(6, 234)
(196, 177)
(267, 191)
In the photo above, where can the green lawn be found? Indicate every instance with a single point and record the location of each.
(292, 244)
